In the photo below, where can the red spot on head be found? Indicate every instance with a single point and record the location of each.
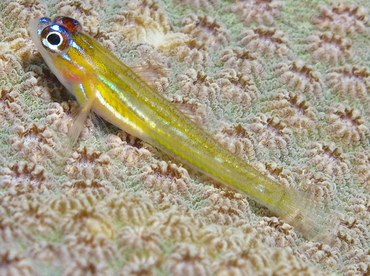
(70, 24)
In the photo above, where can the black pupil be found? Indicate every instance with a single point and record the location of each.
(54, 39)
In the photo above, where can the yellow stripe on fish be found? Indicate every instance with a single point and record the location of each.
(104, 84)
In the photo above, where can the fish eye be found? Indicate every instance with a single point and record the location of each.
(55, 39)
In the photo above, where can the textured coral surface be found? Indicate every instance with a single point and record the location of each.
(283, 84)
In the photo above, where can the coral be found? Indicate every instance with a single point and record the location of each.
(84, 11)
(205, 29)
(19, 12)
(24, 175)
(191, 108)
(260, 11)
(350, 81)
(34, 141)
(175, 226)
(322, 253)
(192, 53)
(137, 265)
(84, 266)
(153, 69)
(330, 48)
(11, 107)
(319, 185)
(329, 159)
(140, 239)
(347, 125)
(89, 164)
(360, 206)
(237, 87)
(342, 18)
(268, 41)
(127, 149)
(361, 267)
(197, 4)
(11, 67)
(198, 84)
(272, 133)
(11, 230)
(13, 263)
(301, 77)
(96, 247)
(187, 259)
(293, 110)
(146, 21)
(226, 207)
(362, 168)
(232, 264)
(57, 116)
(241, 60)
(218, 239)
(283, 176)
(168, 178)
(129, 208)
(238, 140)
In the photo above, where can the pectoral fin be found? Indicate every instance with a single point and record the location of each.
(86, 97)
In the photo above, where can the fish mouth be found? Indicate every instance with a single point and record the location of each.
(35, 28)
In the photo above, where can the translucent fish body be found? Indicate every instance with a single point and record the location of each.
(104, 84)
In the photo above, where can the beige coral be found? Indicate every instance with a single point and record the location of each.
(83, 163)
(168, 177)
(234, 202)
(362, 168)
(350, 81)
(238, 140)
(141, 265)
(347, 125)
(11, 105)
(237, 87)
(260, 11)
(272, 134)
(205, 29)
(187, 259)
(85, 266)
(93, 247)
(300, 76)
(322, 253)
(330, 48)
(294, 111)
(34, 141)
(25, 175)
(198, 4)
(146, 21)
(268, 41)
(241, 60)
(127, 149)
(342, 18)
(329, 159)
(137, 238)
(320, 185)
(11, 67)
(135, 209)
(175, 225)
(13, 263)
(23, 11)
